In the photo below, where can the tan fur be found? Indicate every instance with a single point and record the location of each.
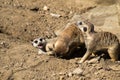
(99, 41)
(50, 44)
(68, 39)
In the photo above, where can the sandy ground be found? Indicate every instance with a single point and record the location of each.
(23, 20)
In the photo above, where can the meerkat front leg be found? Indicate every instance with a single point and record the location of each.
(41, 52)
(50, 53)
(87, 54)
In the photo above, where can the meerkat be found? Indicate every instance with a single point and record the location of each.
(44, 45)
(67, 40)
(98, 41)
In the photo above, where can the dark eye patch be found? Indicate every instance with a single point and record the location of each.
(80, 23)
(36, 41)
(41, 39)
(84, 29)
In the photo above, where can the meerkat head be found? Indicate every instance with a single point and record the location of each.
(39, 43)
(85, 26)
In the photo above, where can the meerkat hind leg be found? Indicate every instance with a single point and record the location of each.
(113, 53)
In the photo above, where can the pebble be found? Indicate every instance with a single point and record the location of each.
(70, 12)
(6, 67)
(61, 73)
(70, 74)
(2, 43)
(61, 78)
(53, 74)
(115, 67)
(45, 8)
(55, 15)
(78, 71)
(7, 75)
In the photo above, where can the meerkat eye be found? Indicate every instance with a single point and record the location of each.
(84, 29)
(36, 41)
(41, 39)
(80, 23)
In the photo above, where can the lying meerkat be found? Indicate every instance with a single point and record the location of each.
(44, 45)
(96, 41)
(67, 40)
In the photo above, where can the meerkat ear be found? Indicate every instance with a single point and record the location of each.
(44, 38)
(84, 29)
(31, 40)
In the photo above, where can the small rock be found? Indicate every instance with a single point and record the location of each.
(115, 67)
(55, 15)
(96, 73)
(70, 12)
(78, 71)
(82, 78)
(70, 74)
(61, 73)
(7, 75)
(2, 43)
(53, 74)
(6, 67)
(102, 61)
(45, 8)
(61, 78)
(99, 67)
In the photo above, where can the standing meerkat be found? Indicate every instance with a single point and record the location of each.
(96, 41)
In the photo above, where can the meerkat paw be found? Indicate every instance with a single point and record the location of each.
(49, 53)
(113, 60)
(81, 61)
(41, 52)
(94, 54)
